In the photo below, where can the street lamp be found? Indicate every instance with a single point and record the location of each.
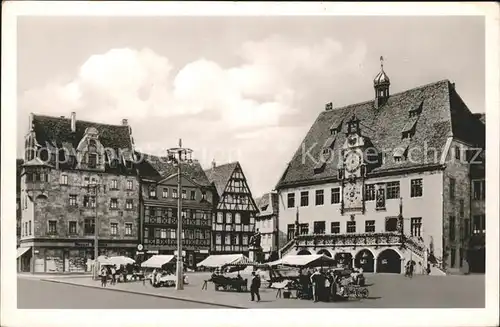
(178, 156)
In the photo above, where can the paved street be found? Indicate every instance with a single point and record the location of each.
(37, 294)
(386, 291)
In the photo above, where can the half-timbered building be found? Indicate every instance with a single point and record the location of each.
(159, 208)
(233, 221)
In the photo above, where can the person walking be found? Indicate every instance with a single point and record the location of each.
(113, 275)
(104, 277)
(254, 287)
(315, 281)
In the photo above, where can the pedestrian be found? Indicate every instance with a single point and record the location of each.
(113, 275)
(315, 281)
(104, 277)
(411, 267)
(254, 287)
(428, 268)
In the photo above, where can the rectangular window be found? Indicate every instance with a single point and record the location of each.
(72, 227)
(165, 192)
(86, 181)
(290, 233)
(245, 240)
(393, 190)
(370, 226)
(220, 217)
(236, 239)
(320, 197)
(370, 192)
(129, 204)
(304, 198)
(229, 218)
(478, 190)
(52, 227)
(319, 227)
(128, 229)
(86, 201)
(152, 191)
(203, 195)
(72, 200)
(175, 195)
(29, 227)
(192, 195)
(114, 228)
(89, 226)
(416, 226)
(335, 227)
(391, 224)
(130, 185)
(458, 153)
(113, 203)
(184, 194)
(92, 160)
(335, 195)
(291, 200)
(462, 207)
(452, 228)
(351, 227)
(452, 188)
(304, 229)
(114, 184)
(227, 239)
(478, 224)
(416, 188)
(163, 233)
(466, 228)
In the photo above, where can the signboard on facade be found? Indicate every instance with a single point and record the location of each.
(153, 251)
(183, 253)
(84, 244)
(203, 251)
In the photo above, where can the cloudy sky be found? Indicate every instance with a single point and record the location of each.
(234, 88)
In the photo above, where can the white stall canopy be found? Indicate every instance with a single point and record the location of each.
(157, 261)
(22, 250)
(220, 260)
(312, 260)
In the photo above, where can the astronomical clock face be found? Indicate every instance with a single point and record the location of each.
(352, 161)
(353, 196)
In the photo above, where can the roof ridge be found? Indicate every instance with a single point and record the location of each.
(223, 165)
(391, 95)
(79, 120)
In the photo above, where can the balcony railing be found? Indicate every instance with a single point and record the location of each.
(354, 240)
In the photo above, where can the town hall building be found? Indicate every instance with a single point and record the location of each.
(394, 179)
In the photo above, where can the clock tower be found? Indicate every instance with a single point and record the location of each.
(353, 169)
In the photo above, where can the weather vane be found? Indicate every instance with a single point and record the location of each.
(382, 62)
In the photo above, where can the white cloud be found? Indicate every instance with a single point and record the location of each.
(247, 100)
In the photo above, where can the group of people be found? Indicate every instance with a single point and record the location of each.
(113, 272)
(326, 284)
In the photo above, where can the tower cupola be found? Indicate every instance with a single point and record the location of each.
(381, 84)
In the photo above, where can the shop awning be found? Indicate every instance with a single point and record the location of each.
(21, 251)
(215, 261)
(157, 261)
(311, 260)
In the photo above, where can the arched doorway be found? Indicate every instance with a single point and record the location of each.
(303, 252)
(389, 261)
(325, 252)
(365, 260)
(344, 259)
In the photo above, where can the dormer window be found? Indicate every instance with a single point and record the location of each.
(409, 129)
(417, 110)
(327, 152)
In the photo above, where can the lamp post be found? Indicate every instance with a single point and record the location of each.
(178, 156)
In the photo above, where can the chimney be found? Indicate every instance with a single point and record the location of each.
(73, 121)
(214, 164)
(124, 122)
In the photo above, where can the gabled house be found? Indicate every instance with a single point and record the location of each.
(233, 221)
(159, 206)
(78, 182)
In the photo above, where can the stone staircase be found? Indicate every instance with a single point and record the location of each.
(286, 248)
(418, 249)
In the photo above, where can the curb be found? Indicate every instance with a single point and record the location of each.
(146, 294)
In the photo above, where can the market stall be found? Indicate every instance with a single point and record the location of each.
(306, 261)
(158, 261)
(224, 260)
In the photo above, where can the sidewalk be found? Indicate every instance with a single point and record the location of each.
(53, 275)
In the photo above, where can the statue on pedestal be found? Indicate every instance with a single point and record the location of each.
(255, 240)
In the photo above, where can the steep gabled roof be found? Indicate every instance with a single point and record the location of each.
(442, 114)
(157, 168)
(56, 131)
(220, 175)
